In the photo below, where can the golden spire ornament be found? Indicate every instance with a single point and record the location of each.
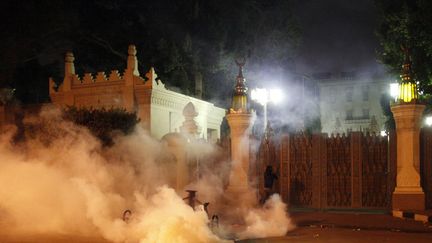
(408, 87)
(240, 98)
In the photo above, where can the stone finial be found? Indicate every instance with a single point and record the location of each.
(152, 80)
(69, 71)
(132, 50)
(69, 64)
(189, 111)
(132, 61)
(189, 125)
(151, 75)
(69, 57)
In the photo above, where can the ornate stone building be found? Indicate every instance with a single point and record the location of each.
(351, 103)
(161, 110)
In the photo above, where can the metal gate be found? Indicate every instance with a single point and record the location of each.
(353, 171)
(426, 164)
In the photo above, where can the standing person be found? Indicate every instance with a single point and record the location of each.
(269, 178)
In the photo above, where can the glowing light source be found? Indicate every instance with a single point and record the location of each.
(394, 90)
(260, 96)
(264, 96)
(405, 91)
(428, 121)
(383, 133)
(408, 92)
(276, 96)
(408, 86)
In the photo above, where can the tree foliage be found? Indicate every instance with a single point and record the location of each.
(103, 123)
(406, 23)
(184, 40)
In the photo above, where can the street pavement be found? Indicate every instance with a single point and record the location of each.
(332, 227)
(352, 227)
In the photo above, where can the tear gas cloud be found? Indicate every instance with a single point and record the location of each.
(60, 180)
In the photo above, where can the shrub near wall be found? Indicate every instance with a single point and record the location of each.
(102, 123)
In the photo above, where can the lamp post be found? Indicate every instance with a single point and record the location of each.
(264, 96)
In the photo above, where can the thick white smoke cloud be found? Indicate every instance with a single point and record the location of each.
(269, 221)
(62, 181)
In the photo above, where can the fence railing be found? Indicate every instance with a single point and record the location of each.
(343, 171)
(426, 164)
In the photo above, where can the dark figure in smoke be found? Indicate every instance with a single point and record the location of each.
(269, 178)
(192, 201)
(192, 198)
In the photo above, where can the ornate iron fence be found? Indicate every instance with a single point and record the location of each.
(300, 176)
(426, 164)
(375, 171)
(317, 171)
(338, 171)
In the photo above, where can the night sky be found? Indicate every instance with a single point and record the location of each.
(335, 36)
(338, 35)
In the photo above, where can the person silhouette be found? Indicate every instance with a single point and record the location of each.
(269, 178)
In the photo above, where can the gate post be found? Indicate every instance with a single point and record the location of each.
(285, 169)
(356, 170)
(408, 194)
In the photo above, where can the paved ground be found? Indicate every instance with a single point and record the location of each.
(362, 220)
(311, 227)
(58, 238)
(352, 227)
(305, 235)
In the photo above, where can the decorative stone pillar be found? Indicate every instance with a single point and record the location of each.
(66, 86)
(239, 124)
(240, 121)
(189, 126)
(69, 70)
(408, 194)
(407, 112)
(176, 145)
(129, 74)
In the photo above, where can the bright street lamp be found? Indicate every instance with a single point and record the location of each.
(394, 90)
(428, 121)
(264, 96)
